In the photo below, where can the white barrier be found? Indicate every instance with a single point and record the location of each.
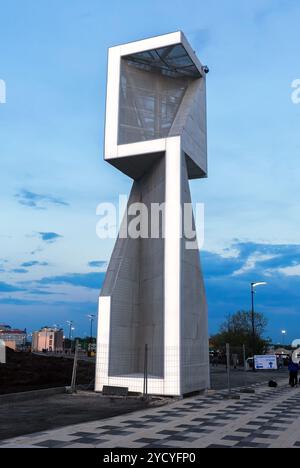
(2, 92)
(2, 352)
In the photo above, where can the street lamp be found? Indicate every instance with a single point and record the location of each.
(283, 332)
(70, 323)
(91, 319)
(253, 286)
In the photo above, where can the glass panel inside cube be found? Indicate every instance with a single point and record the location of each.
(153, 84)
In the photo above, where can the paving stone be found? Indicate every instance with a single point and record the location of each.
(51, 444)
(264, 420)
(233, 438)
(215, 446)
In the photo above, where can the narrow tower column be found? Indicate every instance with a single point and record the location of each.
(172, 267)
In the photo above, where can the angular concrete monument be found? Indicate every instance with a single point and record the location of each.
(153, 292)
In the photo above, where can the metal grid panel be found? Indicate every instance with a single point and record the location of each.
(149, 103)
(172, 61)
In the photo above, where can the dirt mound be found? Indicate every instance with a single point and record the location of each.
(26, 371)
(9, 352)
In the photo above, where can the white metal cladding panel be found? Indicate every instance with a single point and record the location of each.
(103, 339)
(172, 297)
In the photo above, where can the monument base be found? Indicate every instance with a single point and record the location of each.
(154, 295)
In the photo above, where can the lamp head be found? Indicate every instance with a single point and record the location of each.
(255, 285)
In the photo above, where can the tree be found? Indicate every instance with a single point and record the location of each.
(237, 331)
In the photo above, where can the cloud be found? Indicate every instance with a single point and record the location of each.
(41, 292)
(4, 287)
(38, 201)
(34, 263)
(290, 271)
(49, 237)
(32, 314)
(2, 263)
(228, 291)
(97, 264)
(21, 271)
(86, 280)
(271, 8)
(17, 302)
(252, 262)
(200, 38)
(282, 253)
(217, 265)
(38, 250)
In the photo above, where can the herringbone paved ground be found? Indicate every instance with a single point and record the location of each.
(268, 419)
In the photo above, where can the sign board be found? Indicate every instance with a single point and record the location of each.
(266, 362)
(2, 352)
(296, 356)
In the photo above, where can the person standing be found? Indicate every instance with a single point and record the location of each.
(293, 370)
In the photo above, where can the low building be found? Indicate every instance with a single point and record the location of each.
(48, 340)
(282, 353)
(13, 338)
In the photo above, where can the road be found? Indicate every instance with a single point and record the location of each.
(240, 378)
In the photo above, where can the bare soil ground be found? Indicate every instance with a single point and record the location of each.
(25, 371)
(43, 414)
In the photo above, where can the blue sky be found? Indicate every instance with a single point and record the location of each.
(52, 176)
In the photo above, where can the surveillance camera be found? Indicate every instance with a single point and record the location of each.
(205, 69)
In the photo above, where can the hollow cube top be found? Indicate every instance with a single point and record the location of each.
(155, 90)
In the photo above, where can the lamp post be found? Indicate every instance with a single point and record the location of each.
(70, 323)
(71, 328)
(253, 286)
(91, 319)
(283, 333)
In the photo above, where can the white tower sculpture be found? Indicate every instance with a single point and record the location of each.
(153, 293)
